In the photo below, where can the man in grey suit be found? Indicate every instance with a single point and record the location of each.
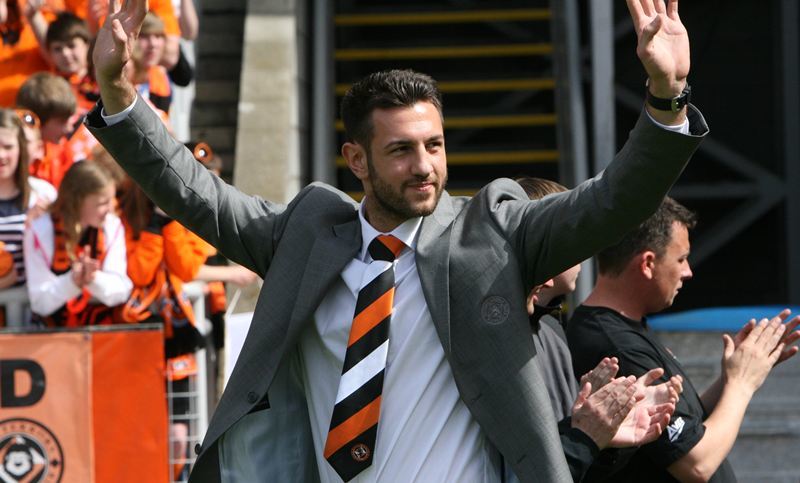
(458, 391)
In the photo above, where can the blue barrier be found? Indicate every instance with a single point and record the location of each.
(717, 319)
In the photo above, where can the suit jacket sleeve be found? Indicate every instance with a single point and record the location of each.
(561, 230)
(244, 228)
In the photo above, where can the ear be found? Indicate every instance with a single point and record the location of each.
(647, 262)
(356, 158)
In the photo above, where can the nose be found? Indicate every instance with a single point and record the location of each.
(687, 272)
(422, 165)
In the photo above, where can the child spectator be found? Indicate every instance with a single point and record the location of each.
(51, 98)
(67, 44)
(75, 257)
(19, 51)
(19, 193)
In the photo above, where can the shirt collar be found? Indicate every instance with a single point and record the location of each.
(406, 232)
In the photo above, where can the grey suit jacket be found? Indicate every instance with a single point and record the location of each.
(476, 259)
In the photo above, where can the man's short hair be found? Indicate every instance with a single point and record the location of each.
(66, 27)
(48, 96)
(652, 234)
(384, 90)
(538, 188)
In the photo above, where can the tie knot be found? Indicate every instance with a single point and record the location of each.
(385, 247)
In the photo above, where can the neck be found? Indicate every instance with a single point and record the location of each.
(379, 218)
(8, 188)
(617, 294)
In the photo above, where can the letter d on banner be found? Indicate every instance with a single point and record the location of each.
(8, 394)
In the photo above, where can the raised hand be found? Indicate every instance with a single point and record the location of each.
(663, 45)
(113, 49)
(748, 364)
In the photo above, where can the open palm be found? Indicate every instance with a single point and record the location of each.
(117, 37)
(663, 45)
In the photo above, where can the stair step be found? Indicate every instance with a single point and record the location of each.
(416, 18)
(499, 50)
(486, 85)
(488, 122)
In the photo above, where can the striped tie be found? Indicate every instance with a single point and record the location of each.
(354, 424)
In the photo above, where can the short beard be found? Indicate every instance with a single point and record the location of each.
(393, 203)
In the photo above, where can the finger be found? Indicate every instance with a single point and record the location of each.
(776, 353)
(791, 326)
(744, 331)
(788, 353)
(650, 377)
(728, 346)
(637, 14)
(659, 6)
(648, 8)
(677, 383)
(772, 334)
(783, 315)
(582, 396)
(672, 9)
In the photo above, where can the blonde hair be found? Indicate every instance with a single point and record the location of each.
(81, 180)
(10, 120)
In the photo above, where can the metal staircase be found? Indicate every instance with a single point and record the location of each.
(494, 64)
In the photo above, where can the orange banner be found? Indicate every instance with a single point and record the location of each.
(83, 406)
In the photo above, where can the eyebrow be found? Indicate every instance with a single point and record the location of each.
(408, 142)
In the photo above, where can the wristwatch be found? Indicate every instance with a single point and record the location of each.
(674, 104)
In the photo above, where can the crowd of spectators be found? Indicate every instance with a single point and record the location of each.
(85, 241)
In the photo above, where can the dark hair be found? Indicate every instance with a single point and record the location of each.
(654, 234)
(538, 188)
(66, 27)
(384, 90)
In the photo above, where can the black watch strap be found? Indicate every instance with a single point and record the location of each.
(675, 104)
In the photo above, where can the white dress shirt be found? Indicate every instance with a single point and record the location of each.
(425, 431)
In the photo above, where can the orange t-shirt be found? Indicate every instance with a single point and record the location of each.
(57, 160)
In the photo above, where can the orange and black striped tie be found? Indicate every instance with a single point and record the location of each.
(354, 425)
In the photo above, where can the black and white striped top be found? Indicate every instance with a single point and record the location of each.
(12, 226)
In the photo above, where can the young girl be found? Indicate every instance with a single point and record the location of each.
(75, 257)
(20, 194)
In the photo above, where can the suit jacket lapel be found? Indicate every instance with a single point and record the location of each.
(326, 260)
(433, 259)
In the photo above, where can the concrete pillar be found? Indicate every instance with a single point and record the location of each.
(268, 160)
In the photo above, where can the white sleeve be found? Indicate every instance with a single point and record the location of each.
(47, 292)
(111, 285)
(112, 119)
